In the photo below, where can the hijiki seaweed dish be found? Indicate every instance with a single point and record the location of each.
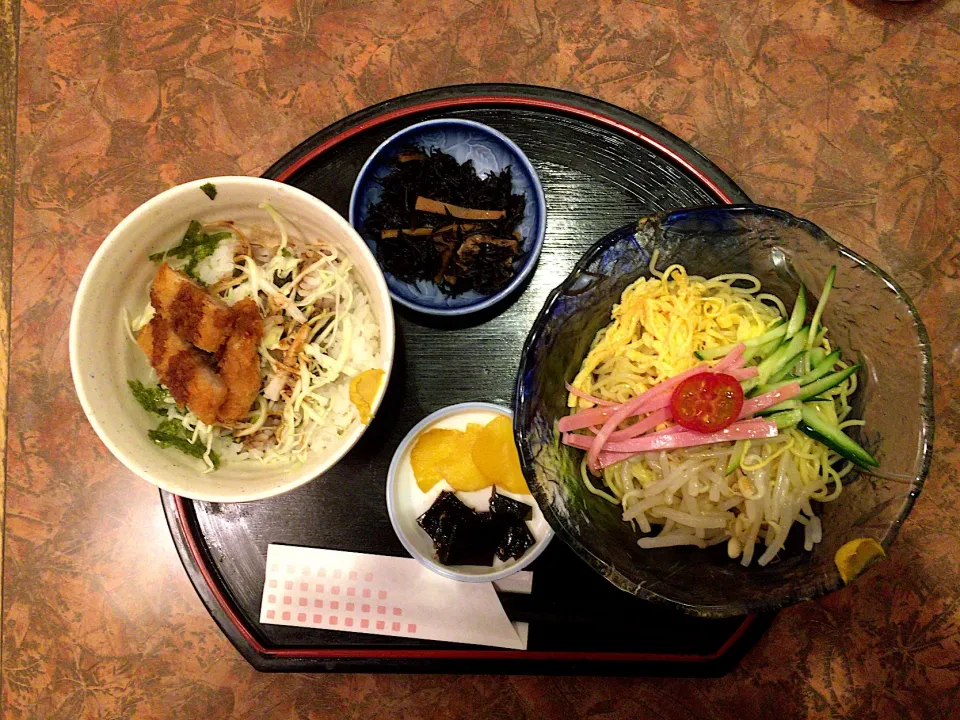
(438, 221)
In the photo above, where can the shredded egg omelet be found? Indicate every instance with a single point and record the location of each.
(661, 322)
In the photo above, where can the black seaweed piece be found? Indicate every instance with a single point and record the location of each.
(468, 542)
(447, 503)
(463, 536)
(436, 175)
(489, 267)
(515, 540)
(409, 258)
(507, 507)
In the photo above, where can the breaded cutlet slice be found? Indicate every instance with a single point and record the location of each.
(185, 371)
(196, 316)
(240, 361)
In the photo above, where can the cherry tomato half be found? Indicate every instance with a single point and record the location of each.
(707, 402)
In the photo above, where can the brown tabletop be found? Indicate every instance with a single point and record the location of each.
(844, 112)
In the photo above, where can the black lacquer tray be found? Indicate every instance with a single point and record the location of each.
(601, 167)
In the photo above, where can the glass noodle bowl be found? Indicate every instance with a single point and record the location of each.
(869, 321)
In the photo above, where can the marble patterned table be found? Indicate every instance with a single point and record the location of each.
(846, 112)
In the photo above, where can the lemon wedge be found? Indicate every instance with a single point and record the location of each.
(856, 556)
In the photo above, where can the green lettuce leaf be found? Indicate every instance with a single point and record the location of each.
(150, 398)
(171, 433)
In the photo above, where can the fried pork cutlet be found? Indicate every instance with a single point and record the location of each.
(196, 316)
(185, 371)
(240, 361)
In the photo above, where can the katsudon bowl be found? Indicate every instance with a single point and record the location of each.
(116, 285)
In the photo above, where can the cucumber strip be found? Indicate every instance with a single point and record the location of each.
(738, 449)
(821, 304)
(791, 404)
(761, 389)
(799, 313)
(813, 387)
(817, 356)
(764, 351)
(749, 385)
(787, 419)
(778, 360)
(820, 336)
(826, 383)
(826, 409)
(821, 368)
(814, 425)
(785, 370)
(773, 333)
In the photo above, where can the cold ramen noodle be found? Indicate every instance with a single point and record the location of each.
(263, 341)
(711, 416)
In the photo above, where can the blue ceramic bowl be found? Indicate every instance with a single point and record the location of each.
(490, 151)
(870, 318)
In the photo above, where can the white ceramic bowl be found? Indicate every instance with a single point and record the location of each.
(406, 502)
(103, 358)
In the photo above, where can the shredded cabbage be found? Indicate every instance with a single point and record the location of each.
(319, 333)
